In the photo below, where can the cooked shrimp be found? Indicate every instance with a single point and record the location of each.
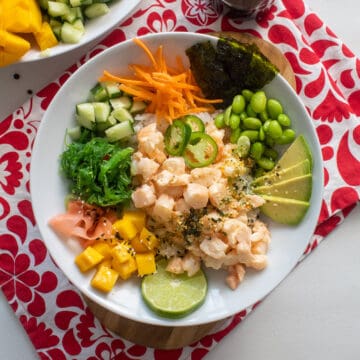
(143, 196)
(151, 142)
(214, 247)
(235, 276)
(205, 176)
(219, 194)
(196, 196)
(175, 165)
(143, 166)
(163, 208)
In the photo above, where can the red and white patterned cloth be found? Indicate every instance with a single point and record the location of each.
(50, 309)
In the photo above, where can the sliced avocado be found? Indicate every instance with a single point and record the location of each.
(283, 210)
(275, 176)
(298, 151)
(298, 188)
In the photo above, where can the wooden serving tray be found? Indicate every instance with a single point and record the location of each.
(163, 337)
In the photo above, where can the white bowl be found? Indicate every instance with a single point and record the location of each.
(48, 191)
(94, 29)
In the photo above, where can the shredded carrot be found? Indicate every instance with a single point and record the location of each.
(169, 92)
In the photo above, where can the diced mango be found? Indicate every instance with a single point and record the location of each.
(125, 269)
(103, 248)
(121, 252)
(138, 245)
(21, 16)
(138, 217)
(126, 228)
(145, 263)
(45, 38)
(104, 278)
(105, 262)
(12, 47)
(149, 239)
(88, 259)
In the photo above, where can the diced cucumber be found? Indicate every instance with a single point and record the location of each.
(79, 25)
(56, 9)
(112, 89)
(67, 2)
(98, 93)
(85, 114)
(75, 3)
(74, 132)
(70, 34)
(119, 131)
(70, 16)
(121, 102)
(137, 107)
(102, 111)
(96, 10)
(121, 114)
(102, 126)
(56, 27)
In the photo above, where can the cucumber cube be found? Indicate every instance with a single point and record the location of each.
(121, 114)
(56, 9)
(85, 114)
(70, 34)
(119, 131)
(96, 10)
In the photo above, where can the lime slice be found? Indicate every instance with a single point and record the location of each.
(171, 295)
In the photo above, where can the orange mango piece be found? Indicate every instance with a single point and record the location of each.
(12, 47)
(45, 38)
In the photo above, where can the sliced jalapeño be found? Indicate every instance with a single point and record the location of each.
(195, 123)
(177, 136)
(200, 151)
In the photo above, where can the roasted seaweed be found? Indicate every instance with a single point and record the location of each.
(224, 70)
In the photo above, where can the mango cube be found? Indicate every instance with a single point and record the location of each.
(145, 263)
(104, 278)
(45, 38)
(138, 245)
(121, 252)
(149, 239)
(88, 259)
(125, 269)
(137, 217)
(103, 248)
(126, 228)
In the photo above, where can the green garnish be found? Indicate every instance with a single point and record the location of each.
(99, 171)
(225, 70)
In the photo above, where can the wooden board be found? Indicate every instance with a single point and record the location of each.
(162, 337)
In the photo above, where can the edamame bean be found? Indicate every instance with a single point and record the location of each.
(266, 163)
(274, 130)
(252, 123)
(234, 121)
(274, 108)
(256, 150)
(284, 120)
(258, 101)
(261, 134)
(243, 146)
(263, 116)
(234, 136)
(270, 153)
(243, 115)
(259, 172)
(287, 137)
(247, 94)
(266, 126)
(238, 104)
(227, 115)
(250, 111)
(219, 121)
(253, 135)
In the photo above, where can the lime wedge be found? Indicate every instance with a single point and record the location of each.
(173, 296)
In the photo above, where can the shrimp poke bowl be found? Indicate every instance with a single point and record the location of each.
(176, 178)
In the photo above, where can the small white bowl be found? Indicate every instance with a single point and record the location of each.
(49, 189)
(94, 29)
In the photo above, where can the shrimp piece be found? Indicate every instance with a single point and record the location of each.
(175, 265)
(151, 143)
(260, 238)
(166, 178)
(174, 164)
(235, 276)
(255, 200)
(163, 208)
(211, 222)
(257, 261)
(214, 247)
(237, 232)
(143, 166)
(144, 196)
(205, 176)
(196, 196)
(218, 194)
(191, 264)
(181, 206)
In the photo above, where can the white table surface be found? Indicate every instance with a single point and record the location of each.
(307, 316)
